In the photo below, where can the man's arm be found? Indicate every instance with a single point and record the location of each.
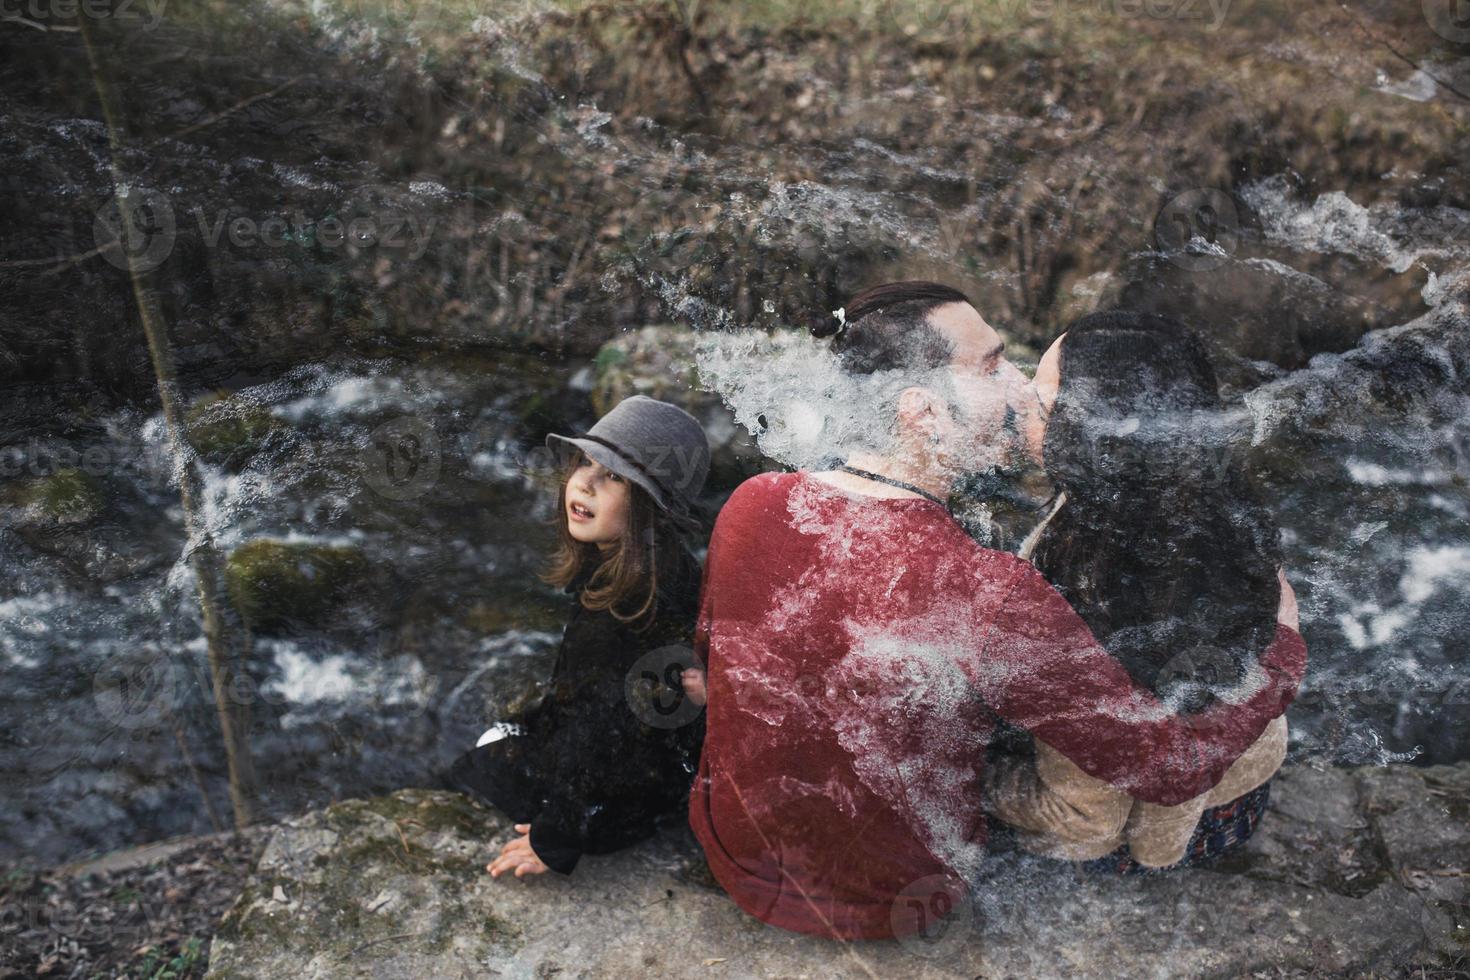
(1044, 671)
(1052, 798)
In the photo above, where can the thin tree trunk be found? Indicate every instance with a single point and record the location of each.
(226, 639)
(188, 757)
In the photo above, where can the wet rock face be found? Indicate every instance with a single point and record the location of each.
(224, 432)
(1260, 309)
(1352, 870)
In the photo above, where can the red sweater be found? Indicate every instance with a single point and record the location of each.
(859, 650)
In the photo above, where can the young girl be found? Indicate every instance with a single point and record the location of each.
(594, 766)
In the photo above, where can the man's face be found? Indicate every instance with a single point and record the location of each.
(993, 400)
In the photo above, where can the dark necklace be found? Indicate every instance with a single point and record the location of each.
(879, 478)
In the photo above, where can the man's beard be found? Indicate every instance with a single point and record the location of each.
(1004, 458)
(1005, 472)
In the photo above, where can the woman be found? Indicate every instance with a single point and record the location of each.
(1161, 545)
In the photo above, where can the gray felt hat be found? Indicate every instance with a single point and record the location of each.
(658, 446)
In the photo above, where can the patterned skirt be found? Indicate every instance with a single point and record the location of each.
(1221, 829)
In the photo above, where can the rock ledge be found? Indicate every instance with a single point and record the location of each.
(1352, 870)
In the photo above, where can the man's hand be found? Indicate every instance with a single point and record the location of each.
(517, 856)
(693, 680)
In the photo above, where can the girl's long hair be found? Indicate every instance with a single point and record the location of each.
(1164, 547)
(625, 580)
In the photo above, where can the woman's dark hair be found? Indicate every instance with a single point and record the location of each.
(887, 327)
(626, 580)
(1163, 547)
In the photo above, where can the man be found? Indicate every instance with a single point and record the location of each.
(860, 648)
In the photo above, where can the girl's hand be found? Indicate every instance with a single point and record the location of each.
(517, 856)
(693, 680)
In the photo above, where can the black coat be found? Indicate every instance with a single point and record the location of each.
(590, 774)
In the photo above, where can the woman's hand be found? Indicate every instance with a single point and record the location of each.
(1286, 611)
(693, 680)
(517, 856)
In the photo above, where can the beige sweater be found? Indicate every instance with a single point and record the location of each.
(1060, 811)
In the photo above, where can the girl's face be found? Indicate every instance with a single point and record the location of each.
(597, 502)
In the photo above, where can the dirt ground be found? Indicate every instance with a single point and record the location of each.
(114, 918)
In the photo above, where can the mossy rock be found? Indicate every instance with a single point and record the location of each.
(399, 876)
(275, 583)
(657, 361)
(530, 614)
(67, 496)
(222, 428)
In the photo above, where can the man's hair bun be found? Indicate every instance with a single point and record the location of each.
(829, 326)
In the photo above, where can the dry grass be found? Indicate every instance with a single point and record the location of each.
(1086, 27)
